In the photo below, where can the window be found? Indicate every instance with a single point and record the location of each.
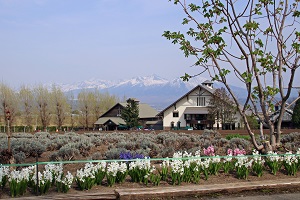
(188, 116)
(175, 114)
(200, 101)
(119, 112)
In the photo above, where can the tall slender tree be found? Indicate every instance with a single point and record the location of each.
(43, 102)
(60, 106)
(27, 105)
(85, 101)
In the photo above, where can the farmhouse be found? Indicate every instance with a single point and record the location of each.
(111, 120)
(191, 111)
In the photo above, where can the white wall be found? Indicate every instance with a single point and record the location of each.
(181, 105)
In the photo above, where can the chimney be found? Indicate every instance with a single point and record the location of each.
(208, 84)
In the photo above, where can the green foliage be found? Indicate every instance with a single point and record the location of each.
(252, 121)
(231, 136)
(130, 113)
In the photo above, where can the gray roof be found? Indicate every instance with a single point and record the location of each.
(116, 120)
(145, 111)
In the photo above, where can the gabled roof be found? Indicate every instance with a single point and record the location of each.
(115, 120)
(112, 109)
(208, 89)
(145, 111)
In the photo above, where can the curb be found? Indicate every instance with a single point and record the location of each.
(148, 193)
(175, 191)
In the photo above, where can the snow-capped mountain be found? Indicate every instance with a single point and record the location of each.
(153, 90)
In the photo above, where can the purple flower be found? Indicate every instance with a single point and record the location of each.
(128, 156)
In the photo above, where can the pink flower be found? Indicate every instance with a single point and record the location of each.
(229, 152)
(235, 152)
(210, 151)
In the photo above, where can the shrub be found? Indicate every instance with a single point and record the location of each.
(231, 136)
(20, 157)
(68, 152)
(28, 146)
(114, 153)
(240, 144)
(167, 152)
(97, 156)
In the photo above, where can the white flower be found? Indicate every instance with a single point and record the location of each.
(112, 168)
(243, 161)
(274, 157)
(4, 171)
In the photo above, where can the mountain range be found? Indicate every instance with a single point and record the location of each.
(156, 91)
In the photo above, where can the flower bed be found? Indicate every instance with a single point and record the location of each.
(182, 167)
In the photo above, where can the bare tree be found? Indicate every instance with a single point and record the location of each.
(60, 106)
(85, 99)
(71, 100)
(222, 108)
(254, 42)
(27, 104)
(107, 101)
(9, 108)
(42, 100)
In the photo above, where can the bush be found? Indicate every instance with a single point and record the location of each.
(28, 146)
(240, 144)
(231, 136)
(97, 156)
(20, 157)
(68, 152)
(114, 153)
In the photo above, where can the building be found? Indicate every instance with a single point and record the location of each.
(191, 111)
(111, 120)
(287, 116)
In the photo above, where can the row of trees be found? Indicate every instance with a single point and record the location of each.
(42, 106)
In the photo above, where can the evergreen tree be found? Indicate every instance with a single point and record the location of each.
(296, 114)
(130, 113)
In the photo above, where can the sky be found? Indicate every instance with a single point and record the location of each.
(67, 41)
